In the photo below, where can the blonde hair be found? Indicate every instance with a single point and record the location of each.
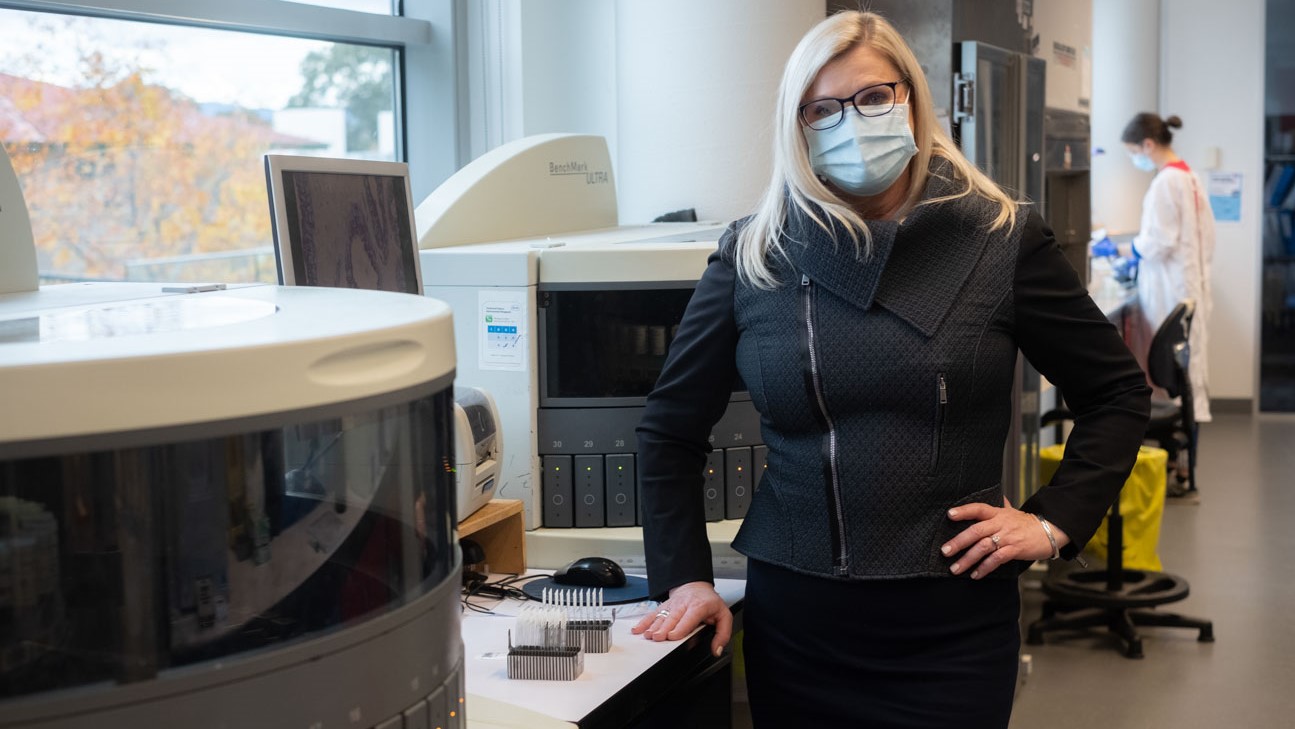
(793, 177)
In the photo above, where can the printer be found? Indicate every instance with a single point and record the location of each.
(477, 448)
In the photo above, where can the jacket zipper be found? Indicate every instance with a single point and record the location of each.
(942, 389)
(840, 556)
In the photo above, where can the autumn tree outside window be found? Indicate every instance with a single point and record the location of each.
(138, 139)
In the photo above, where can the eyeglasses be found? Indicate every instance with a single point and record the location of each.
(877, 100)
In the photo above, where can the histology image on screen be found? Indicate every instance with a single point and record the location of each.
(350, 231)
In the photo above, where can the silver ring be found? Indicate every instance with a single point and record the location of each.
(994, 539)
(663, 613)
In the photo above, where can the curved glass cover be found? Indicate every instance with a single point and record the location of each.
(120, 563)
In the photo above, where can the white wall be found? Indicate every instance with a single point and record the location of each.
(682, 90)
(493, 72)
(568, 68)
(696, 83)
(539, 67)
(1126, 80)
(1204, 47)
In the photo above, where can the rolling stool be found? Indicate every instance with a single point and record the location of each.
(1118, 598)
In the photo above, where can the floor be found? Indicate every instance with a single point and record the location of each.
(1237, 549)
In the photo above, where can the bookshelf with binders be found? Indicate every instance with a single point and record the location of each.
(1276, 390)
(1279, 206)
(1277, 359)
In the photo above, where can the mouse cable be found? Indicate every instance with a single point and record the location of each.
(502, 589)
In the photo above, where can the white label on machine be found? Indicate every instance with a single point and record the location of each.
(502, 334)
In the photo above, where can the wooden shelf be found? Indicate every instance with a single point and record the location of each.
(500, 528)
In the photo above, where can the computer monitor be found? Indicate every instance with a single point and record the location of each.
(343, 222)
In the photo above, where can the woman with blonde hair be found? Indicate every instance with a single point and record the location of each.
(873, 305)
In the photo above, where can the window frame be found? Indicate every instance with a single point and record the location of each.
(427, 73)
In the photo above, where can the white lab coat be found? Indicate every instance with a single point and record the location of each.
(1176, 244)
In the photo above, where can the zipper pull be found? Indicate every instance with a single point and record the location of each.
(804, 279)
(944, 391)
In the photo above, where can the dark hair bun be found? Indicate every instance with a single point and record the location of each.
(1148, 125)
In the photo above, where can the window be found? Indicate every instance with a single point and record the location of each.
(139, 143)
(382, 7)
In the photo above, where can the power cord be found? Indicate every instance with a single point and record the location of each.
(506, 588)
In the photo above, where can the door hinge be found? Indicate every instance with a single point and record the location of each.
(964, 97)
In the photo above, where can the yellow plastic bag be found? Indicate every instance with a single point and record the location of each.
(1142, 504)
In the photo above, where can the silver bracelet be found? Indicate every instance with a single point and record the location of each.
(1047, 529)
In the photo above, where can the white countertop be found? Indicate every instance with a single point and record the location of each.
(496, 701)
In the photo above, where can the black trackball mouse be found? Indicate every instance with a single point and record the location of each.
(591, 572)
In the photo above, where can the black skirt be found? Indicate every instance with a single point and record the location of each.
(921, 652)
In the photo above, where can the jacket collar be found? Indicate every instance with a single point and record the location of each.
(917, 267)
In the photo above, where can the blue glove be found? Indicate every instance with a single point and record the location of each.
(1104, 248)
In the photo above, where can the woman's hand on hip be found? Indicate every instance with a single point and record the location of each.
(997, 536)
(688, 606)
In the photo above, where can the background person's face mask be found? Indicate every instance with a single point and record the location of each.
(1143, 162)
(863, 155)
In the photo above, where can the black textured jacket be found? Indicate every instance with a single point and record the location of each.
(883, 387)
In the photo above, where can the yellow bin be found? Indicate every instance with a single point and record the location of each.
(1142, 504)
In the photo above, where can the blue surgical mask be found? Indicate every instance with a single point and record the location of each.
(1143, 162)
(863, 155)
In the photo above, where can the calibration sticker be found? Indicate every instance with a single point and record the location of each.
(502, 337)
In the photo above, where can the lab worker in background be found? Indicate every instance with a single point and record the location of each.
(1175, 243)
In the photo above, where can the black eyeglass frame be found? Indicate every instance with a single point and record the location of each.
(840, 115)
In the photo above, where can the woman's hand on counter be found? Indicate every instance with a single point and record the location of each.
(689, 605)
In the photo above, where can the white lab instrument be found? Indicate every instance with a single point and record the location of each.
(566, 317)
(216, 498)
(262, 438)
